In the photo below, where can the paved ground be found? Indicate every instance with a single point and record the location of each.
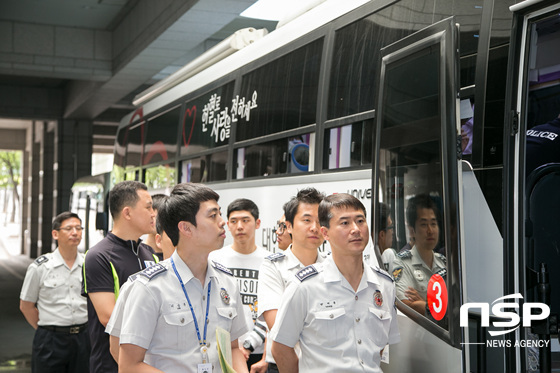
(16, 335)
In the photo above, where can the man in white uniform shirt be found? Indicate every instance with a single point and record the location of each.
(341, 305)
(277, 270)
(52, 304)
(164, 246)
(244, 259)
(173, 309)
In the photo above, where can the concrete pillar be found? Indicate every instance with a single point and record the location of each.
(46, 188)
(26, 191)
(34, 196)
(74, 147)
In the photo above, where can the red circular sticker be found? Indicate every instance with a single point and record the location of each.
(437, 297)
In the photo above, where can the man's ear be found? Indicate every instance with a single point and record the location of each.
(126, 213)
(55, 234)
(325, 232)
(257, 223)
(288, 226)
(185, 228)
(411, 231)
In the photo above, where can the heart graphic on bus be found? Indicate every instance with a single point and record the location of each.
(189, 113)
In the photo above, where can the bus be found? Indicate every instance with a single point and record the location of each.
(387, 100)
(89, 200)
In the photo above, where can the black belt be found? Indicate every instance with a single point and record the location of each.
(72, 329)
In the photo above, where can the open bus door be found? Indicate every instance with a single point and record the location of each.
(418, 152)
(532, 197)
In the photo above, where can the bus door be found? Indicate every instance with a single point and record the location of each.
(532, 175)
(417, 164)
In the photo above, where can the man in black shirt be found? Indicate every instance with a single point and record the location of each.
(109, 263)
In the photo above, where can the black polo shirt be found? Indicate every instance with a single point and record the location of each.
(106, 268)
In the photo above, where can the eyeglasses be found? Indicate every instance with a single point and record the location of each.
(281, 227)
(389, 227)
(70, 229)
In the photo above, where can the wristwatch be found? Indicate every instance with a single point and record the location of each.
(247, 345)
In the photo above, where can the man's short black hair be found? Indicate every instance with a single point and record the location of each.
(183, 205)
(420, 201)
(60, 218)
(124, 194)
(157, 200)
(243, 204)
(308, 195)
(383, 215)
(337, 201)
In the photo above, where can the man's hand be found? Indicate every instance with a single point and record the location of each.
(259, 367)
(245, 352)
(413, 295)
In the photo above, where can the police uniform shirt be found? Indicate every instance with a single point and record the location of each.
(543, 145)
(388, 257)
(157, 316)
(409, 270)
(55, 289)
(115, 321)
(339, 329)
(276, 272)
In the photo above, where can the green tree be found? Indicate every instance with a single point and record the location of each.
(10, 176)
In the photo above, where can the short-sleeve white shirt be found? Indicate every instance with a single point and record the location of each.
(409, 270)
(115, 321)
(56, 288)
(157, 316)
(276, 272)
(339, 329)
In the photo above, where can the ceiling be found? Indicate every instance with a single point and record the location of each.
(87, 59)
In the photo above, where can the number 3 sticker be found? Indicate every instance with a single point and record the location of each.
(437, 297)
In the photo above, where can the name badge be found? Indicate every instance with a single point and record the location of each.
(205, 368)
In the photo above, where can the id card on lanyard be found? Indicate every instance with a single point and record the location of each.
(205, 367)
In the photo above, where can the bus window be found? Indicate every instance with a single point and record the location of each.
(161, 137)
(120, 147)
(417, 154)
(131, 173)
(134, 145)
(207, 121)
(467, 126)
(208, 168)
(160, 177)
(290, 155)
(348, 146)
(117, 175)
(542, 163)
(282, 93)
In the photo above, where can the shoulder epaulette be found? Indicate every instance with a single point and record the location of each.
(307, 272)
(42, 259)
(274, 257)
(383, 272)
(442, 272)
(405, 254)
(222, 268)
(153, 270)
(133, 277)
(442, 258)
